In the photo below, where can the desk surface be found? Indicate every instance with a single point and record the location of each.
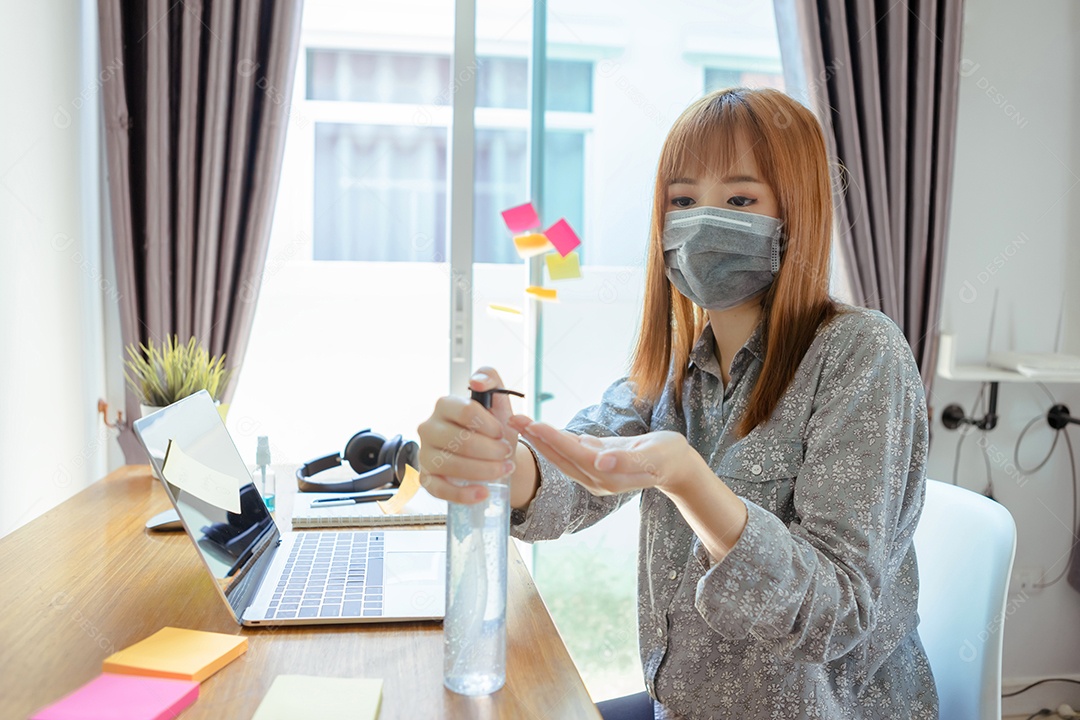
(86, 579)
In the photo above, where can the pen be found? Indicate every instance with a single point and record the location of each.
(351, 500)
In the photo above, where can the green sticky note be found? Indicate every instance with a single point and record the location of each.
(299, 697)
(563, 268)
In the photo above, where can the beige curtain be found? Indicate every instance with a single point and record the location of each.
(195, 129)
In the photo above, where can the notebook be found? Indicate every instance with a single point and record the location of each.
(422, 509)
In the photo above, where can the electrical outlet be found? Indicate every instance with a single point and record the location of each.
(1025, 579)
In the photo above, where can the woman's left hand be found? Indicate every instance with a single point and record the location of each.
(609, 465)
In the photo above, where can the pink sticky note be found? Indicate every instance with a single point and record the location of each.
(123, 697)
(521, 218)
(562, 236)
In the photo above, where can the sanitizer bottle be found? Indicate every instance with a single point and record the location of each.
(474, 629)
(264, 474)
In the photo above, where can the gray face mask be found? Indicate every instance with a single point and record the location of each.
(720, 258)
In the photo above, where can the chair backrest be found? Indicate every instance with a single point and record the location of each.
(965, 544)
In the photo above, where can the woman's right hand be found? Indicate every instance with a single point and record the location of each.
(463, 445)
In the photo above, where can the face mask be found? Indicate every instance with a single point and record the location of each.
(720, 258)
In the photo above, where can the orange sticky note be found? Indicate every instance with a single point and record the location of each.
(542, 293)
(563, 268)
(409, 485)
(531, 244)
(177, 653)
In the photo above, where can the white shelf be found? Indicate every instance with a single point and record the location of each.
(948, 369)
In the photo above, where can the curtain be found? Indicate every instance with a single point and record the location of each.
(883, 78)
(194, 136)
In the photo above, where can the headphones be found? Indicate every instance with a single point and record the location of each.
(378, 460)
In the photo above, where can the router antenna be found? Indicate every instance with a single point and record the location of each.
(990, 334)
(1061, 323)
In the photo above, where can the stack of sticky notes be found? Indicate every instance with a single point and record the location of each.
(153, 679)
(124, 697)
(563, 264)
(175, 653)
(299, 697)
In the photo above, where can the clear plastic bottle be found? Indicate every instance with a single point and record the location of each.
(474, 630)
(264, 474)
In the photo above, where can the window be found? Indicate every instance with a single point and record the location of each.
(717, 78)
(381, 184)
(353, 322)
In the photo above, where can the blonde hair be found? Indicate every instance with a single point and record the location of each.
(789, 148)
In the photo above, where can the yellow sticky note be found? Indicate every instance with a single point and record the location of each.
(563, 268)
(542, 293)
(177, 653)
(531, 244)
(409, 485)
(206, 483)
(508, 309)
(298, 697)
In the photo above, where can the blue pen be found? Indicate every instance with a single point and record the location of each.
(350, 500)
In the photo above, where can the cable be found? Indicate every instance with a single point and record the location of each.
(1050, 395)
(1041, 713)
(1016, 448)
(964, 432)
(1072, 532)
(1038, 682)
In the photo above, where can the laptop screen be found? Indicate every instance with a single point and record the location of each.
(212, 490)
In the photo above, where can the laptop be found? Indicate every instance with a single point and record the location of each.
(265, 576)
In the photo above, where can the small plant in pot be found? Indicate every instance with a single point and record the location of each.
(162, 374)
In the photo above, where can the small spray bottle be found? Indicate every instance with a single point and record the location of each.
(264, 473)
(474, 631)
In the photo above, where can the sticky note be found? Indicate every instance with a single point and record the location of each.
(508, 309)
(521, 218)
(409, 485)
(299, 697)
(563, 268)
(177, 653)
(205, 483)
(123, 697)
(542, 293)
(531, 244)
(562, 236)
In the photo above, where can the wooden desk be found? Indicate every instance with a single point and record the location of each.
(86, 579)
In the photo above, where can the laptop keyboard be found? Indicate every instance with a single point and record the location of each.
(331, 574)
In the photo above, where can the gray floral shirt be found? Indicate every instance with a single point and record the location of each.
(812, 614)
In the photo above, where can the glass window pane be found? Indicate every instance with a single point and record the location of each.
(501, 170)
(588, 579)
(569, 85)
(564, 181)
(359, 76)
(502, 182)
(502, 82)
(719, 78)
(380, 193)
(369, 184)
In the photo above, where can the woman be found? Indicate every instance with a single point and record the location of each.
(778, 440)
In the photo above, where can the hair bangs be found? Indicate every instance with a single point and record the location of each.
(703, 140)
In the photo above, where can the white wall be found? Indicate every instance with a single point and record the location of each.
(1014, 228)
(50, 285)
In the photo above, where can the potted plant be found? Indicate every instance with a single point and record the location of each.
(162, 374)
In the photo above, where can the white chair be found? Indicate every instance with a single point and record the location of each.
(965, 544)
